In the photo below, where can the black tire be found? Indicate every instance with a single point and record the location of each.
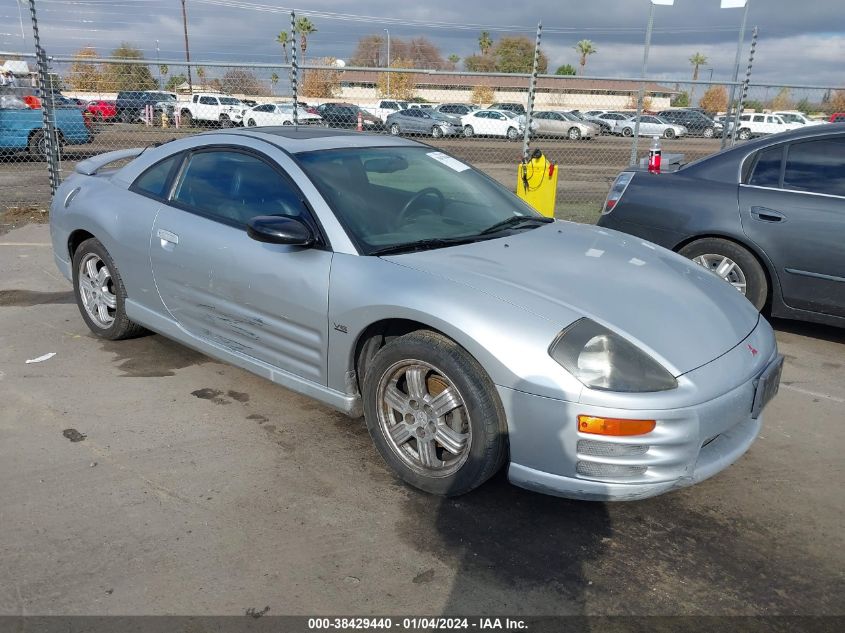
(744, 134)
(512, 134)
(669, 133)
(757, 286)
(574, 134)
(37, 146)
(627, 131)
(468, 131)
(121, 327)
(487, 449)
(250, 123)
(187, 118)
(436, 131)
(225, 121)
(287, 122)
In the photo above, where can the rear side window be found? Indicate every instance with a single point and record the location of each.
(153, 182)
(766, 171)
(816, 166)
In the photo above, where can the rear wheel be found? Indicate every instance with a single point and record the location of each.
(434, 414)
(100, 294)
(733, 263)
(287, 122)
(669, 133)
(574, 134)
(744, 134)
(187, 118)
(37, 146)
(627, 131)
(468, 131)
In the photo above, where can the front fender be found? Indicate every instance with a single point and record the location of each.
(510, 343)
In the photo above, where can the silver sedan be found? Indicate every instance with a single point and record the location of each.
(649, 126)
(559, 123)
(383, 277)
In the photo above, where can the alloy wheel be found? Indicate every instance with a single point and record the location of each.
(96, 289)
(726, 268)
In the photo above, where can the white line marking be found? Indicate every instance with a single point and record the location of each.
(814, 394)
(25, 244)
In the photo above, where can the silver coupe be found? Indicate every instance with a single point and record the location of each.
(384, 277)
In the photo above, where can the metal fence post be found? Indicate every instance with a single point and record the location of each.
(294, 70)
(532, 89)
(47, 110)
(732, 95)
(641, 94)
(745, 84)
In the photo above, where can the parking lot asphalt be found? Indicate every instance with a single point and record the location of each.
(140, 477)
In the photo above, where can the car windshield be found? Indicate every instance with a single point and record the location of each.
(389, 197)
(569, 116)
(229, 101)
(509, 114)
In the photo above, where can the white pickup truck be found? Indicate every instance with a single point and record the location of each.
(210, 107)
(385, 108)
(796, 119)
(751, 125)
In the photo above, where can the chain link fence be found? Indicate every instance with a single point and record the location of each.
(582, 124)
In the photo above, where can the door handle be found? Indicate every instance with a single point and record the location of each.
(765, 214)
(167, 239)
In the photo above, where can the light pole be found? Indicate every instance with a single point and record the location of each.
(158, 63)
(710, 77)
(187, 49)
(734, 4)
(388, 60)
(641, 94)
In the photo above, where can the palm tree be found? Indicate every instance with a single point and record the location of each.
(584, 48)
(274, 79)
(282, 38)
(696, 60)
(484, 42)
(304, 27)
(201, 75)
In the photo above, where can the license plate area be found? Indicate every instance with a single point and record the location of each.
(767, 386)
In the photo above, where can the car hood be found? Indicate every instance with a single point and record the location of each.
(669, 306)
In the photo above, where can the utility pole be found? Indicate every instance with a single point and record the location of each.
(158, 63)
(388, 61)
(187, 48)
(731, 105)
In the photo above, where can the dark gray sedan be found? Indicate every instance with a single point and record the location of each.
(423, 121)
(767, 216)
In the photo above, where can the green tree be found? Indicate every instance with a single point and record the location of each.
(480, 63)
(85, 75)
(681, 100)
(697, 60)
(516, 55)
(304, 27)
(201, 75)
(585, 48)
(274, 79)
(804, 106)
(174, 82)
(282, 38)
(119, 76)
(485, 42)
(453, 61)
(566, 69)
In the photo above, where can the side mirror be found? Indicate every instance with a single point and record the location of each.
(278, 229)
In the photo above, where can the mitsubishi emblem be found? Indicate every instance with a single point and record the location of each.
(751, 349)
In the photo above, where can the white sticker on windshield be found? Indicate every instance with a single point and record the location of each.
(447, 160)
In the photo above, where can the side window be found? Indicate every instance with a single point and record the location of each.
(767, 168)
(153, 181)
(816, 166)
(759, 118)
(269, 107)
(234, 187)
(208, 101)
(390, 104)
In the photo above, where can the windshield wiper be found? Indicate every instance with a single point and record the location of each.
(423, 245)
(514, 221)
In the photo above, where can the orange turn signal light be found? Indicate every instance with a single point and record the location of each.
(614, 426)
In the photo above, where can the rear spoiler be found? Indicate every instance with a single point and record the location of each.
(92, 165)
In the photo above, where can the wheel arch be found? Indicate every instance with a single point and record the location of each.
(75, 239)
(759, 255)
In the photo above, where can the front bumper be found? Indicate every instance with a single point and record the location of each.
(689, 444)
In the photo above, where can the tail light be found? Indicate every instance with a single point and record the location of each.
(616, 191)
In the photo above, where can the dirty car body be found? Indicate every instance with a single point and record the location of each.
(380, 271)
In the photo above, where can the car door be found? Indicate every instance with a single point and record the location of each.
(793, 207)
(264, 114)
(264, 301)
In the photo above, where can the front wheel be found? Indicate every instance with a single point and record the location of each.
(574, 134)
(437, 131)
(434, 414)
(187, 118)
(708, 132)
(394, 129)
(250, 123)
(744, 134)
(669, 133)
(512, 134)
(225, 121)
(468, 131)
(734, 264)
(100, 294)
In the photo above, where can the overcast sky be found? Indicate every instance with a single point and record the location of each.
(800, 42)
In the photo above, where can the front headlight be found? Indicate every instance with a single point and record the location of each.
(601, 359)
